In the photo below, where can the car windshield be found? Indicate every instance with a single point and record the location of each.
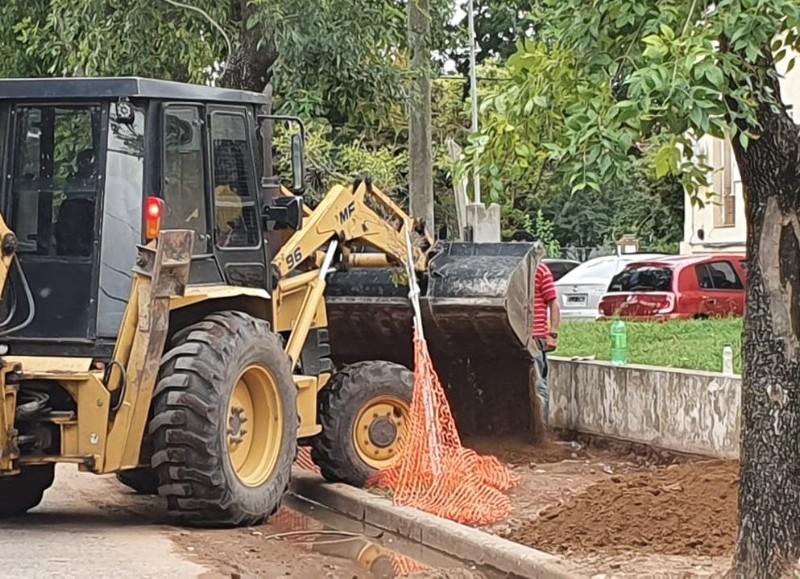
(642, 279)
(590, 270)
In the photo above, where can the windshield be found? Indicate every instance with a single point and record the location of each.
(591, 270)
(642, 279)
(76, 176)
(55, 179)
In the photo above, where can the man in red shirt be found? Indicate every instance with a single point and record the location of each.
(546, 321)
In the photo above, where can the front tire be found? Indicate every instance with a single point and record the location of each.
(363, 410)
(23, 491)
(224, 426)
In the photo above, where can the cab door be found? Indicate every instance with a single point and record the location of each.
(236, 231)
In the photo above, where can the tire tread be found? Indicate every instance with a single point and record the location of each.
(185, 425)
(339, 404)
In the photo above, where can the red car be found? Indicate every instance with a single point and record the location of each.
(677, 287)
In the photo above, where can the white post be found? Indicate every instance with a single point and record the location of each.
(473, 82)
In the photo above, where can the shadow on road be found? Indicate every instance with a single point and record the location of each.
(88, 517)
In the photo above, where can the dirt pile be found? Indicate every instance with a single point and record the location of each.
(561, 446)
(687, 509)
(518, 451)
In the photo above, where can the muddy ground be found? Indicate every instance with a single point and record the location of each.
(263, 552)
(91, 525)
(618, 509)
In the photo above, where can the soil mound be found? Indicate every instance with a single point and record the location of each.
(687, 509)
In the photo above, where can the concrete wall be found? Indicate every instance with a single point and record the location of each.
(679, 410)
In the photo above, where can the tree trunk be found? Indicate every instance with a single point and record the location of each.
(249, 65)
(768, 544)
(420, 191)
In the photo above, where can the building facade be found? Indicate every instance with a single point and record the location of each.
(720, 226)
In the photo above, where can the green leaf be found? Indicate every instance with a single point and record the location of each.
(698, 118)
(744, 139)
(714, 76)
(529, 107)
(653, 40)
(666, 160)
(667, 32)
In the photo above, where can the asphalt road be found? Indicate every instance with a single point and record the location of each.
(91, 526)
(86, 527)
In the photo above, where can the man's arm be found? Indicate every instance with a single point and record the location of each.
(555, 316)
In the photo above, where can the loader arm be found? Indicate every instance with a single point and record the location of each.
(8, 446)
(359, 216)
(475, 304)
(350, 219)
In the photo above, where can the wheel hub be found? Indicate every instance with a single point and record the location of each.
(254, 425)
(236, 420)
(377, 430)
(382, 432)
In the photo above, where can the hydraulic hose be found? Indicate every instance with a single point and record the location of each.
(28, 296)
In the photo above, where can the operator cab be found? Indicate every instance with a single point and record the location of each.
(95, 166)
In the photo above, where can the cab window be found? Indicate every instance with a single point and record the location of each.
(235, 214)
(184, 177)
(55, 180)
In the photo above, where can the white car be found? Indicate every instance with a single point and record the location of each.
(580, 290)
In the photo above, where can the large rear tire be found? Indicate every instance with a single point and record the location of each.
(363, 410)
(224, 425)
(21, 492)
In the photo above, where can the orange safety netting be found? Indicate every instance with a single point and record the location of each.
(404, 566)
(434, 472)
(304, 460)
(287, 520)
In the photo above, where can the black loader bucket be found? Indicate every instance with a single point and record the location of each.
(477, 307)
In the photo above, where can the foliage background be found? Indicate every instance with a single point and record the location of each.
(342, 65)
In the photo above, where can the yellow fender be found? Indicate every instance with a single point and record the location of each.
(199, 294)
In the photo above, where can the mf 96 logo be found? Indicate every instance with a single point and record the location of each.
(294, 258)
(346, 213)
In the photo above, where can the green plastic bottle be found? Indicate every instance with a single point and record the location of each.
(619, 343)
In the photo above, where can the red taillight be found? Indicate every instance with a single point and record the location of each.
(667, 305)
(153, 212)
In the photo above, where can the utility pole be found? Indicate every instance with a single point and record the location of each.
(473, 88)
(483, 224)
(419, 114)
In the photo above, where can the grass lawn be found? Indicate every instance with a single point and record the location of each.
(695, 345)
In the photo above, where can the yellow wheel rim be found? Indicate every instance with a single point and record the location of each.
(377, 430)
(254, 426)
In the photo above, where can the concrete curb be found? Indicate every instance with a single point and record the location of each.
(459, 541)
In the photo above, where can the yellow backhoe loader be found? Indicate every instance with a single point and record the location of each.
(172, 313)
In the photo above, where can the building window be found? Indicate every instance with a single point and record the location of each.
(725, 209)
